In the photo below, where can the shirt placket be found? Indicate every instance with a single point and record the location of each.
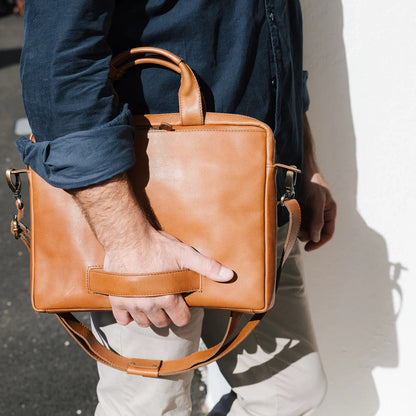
(275, 45)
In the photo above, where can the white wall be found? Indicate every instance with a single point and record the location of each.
(361, 57)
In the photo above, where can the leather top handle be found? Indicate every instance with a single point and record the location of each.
(190, 99)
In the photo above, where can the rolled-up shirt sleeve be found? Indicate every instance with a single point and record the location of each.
(81, 137)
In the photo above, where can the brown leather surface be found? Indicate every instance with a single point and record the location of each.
(230, 182)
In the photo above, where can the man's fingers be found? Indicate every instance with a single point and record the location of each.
(310, 245)
(330, 217)
(141, 319)
(328, 229)
(312, 229)
(177, 309)
(210, 268)
(157, 310)
(316, 223)
(121, 316)
(158, 318)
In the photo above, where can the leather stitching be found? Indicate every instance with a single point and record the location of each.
(112, 293)
(137, 274)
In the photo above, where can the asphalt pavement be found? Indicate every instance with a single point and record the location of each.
(43, 371)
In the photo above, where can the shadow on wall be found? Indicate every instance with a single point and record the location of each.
(352, 300)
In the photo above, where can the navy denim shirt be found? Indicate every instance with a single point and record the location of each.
(247, 55)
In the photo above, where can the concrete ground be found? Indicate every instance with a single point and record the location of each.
(43, 372)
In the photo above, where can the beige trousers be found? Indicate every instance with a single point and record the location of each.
(276, 371)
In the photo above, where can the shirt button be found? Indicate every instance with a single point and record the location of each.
(271, 15)
(274, 83)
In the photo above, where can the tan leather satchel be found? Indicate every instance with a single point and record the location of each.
(209, 180)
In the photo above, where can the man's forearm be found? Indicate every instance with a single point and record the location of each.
(114, 214)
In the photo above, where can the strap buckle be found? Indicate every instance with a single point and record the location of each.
(290, 183)
(17, 228)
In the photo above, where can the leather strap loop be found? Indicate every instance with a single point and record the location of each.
(152, 284)
(190, 99)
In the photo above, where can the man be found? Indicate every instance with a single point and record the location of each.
(248, 58)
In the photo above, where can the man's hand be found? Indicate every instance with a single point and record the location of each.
(132, 245)
(319, 209)
(159, 251)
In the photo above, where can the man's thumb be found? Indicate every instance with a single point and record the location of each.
(207, 267)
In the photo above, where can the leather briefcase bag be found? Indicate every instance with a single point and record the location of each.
(209, 180)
